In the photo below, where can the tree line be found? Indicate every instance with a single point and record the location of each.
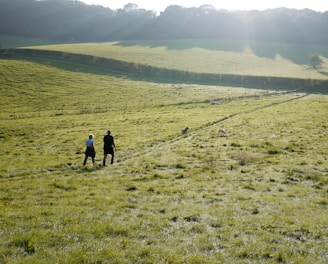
(74, 21)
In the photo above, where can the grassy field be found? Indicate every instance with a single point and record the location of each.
(258, 195)
(7, 42)
(212, 56)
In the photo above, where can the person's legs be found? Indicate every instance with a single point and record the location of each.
(112, 159)
(85, 160)
(104, 160)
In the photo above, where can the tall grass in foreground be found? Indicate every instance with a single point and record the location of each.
(258, 195)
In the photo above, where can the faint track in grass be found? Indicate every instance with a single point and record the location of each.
(216, 123)
(179, 137)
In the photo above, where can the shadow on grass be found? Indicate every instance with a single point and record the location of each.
(88, 169)
(163, 75)
(78, 67)
(297, 53)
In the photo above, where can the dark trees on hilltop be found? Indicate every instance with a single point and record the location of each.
(71, 20)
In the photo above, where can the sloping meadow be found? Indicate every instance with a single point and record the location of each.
(267, 59)
(257, 194)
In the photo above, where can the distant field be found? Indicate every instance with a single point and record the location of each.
(258, 195)
(7, 42)
(212, 56)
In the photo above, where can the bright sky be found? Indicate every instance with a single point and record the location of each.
(160, 5)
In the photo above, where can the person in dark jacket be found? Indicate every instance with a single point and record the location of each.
(109, 147)
(90, 151)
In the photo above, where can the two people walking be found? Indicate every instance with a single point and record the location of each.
(109, 148)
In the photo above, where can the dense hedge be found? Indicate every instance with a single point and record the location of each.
(170, 75)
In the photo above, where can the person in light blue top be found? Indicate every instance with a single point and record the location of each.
(90, 151)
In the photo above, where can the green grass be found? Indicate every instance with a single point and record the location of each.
(258, 195)
(212, 56)
(7, 41)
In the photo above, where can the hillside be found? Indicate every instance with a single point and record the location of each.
(7, 41)
(212, 56)
(258, 195)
